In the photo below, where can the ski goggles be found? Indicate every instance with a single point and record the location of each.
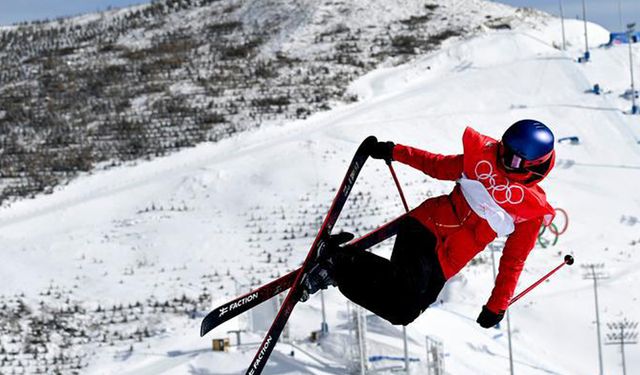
(514, 163)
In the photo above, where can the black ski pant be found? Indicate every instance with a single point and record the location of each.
(397, 289)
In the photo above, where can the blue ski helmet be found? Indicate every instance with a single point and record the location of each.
(526, 147)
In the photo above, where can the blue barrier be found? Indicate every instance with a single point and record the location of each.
(377, 358)
(572, 140)
(623, 38)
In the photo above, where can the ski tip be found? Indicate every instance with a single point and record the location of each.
(368, 143)
(370, 140)
(204, 329)
(568, 259)
(206, 325)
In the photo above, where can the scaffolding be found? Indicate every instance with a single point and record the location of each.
(435, 356)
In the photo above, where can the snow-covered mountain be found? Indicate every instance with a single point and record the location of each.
(112, 272)
(152, 79)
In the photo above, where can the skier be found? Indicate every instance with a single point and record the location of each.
(496, 194)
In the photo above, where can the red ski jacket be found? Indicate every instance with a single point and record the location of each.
(462, 231)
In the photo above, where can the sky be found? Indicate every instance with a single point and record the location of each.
(12, 11)
(604, 12)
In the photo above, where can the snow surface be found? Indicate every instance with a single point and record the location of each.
(177, 218)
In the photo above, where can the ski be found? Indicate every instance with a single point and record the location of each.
(237, 306)
(246, 302)
(290, 301)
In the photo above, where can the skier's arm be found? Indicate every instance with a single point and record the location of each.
(442, 167)
(514, 254)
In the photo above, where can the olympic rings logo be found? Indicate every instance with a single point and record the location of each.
(502, 194)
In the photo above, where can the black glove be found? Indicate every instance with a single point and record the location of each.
(334, 243)
(488, 318)
(382, 150)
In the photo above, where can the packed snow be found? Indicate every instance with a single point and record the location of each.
(157, 228)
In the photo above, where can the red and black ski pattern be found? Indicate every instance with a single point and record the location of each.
(272, 336)
(245, 302)
(237, 306)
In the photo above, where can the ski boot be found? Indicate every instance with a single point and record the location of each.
(321, 275)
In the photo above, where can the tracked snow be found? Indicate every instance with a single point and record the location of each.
(240, 212)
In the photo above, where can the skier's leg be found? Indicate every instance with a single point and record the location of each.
(415, 252)
(398, 289)
(376, 284)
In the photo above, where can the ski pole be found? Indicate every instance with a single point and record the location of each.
(568, 259)
(395, 179)
(406, 208)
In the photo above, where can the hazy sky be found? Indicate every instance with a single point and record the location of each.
(12, 11)
(604, 12)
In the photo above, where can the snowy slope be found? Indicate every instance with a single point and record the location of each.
(163, 228)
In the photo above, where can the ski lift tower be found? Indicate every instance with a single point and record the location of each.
(622, 333)
(564, 41)
(361, 333)
(630, 39)
(620, 13)
(586, 56)
(595, 272)
(498, 246)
